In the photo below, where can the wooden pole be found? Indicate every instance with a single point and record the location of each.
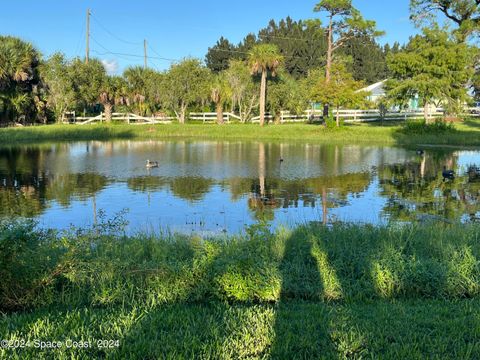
(87, 48)
(145, 53)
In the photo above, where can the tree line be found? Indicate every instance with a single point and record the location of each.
(287, 66)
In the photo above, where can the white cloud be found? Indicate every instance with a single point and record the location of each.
(110, 65)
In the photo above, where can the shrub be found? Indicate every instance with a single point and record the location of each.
(422, 127)
(28, 258)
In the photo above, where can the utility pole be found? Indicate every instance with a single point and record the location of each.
(87, 48)
(144, 53)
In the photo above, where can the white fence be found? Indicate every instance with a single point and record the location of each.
(128, 117)
(352, 116)
(212, 116)
(347, 116)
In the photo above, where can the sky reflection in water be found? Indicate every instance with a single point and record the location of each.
(211, 187)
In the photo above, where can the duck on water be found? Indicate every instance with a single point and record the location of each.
(151, 164)
(448, 174)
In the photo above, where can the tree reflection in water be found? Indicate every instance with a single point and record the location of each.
(327, 177)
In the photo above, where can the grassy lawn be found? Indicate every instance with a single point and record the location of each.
(349, 291)
(465, 134)
(292, 330)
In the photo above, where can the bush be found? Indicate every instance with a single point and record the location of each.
(331, 122)
(28, 258)
(422, 127)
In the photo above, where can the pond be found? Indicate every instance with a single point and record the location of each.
(213, 187)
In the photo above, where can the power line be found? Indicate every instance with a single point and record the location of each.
(87, 47)
(105, 49)
(127, 56)
(112, 34)
(284, 38)
(160, 57)
(134, 55)
(78, 48)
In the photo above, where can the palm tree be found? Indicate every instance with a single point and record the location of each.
(221, 93)
(18, 76)
(113, 92)
(17, 60)
(262, 59)
(143, 85)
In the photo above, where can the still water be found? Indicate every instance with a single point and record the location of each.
(213, 187)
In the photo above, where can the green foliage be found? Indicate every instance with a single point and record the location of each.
(302, 44)
(221, 94)
(20, 83)
(264, 59)
(465, 14)
(341, 90)
(434, 67)
(113, 91)
(245, 92)
(286, 94)
(72, 85)
(219, 56)
(60, 85)
(369, 62)
(88, 80)
(144, 89)
(344, 23)
(101, 266)
(420, 127)
(185, 84)
(332, 288)
(25, 281)
(331, 123)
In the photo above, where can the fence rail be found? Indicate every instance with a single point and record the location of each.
(352, 116)
(130, 118)
(212, 116)
(346, 115)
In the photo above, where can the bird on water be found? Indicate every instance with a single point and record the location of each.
(151, 164)
(447, 174)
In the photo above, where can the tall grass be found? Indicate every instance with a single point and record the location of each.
(345, 263)
(347, 291)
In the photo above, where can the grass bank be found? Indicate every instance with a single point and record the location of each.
(310, 292)
(464, 134)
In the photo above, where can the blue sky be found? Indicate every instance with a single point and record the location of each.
(173, 29)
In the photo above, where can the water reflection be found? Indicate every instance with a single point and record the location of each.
(215, 186)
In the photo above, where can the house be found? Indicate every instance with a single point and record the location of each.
(377, 91)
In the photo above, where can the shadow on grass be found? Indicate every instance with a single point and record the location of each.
(304, 334)
(472, 123)
(345, 291)
(384, 123)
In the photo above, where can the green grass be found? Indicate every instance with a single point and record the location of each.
(418, 329)
(466, 133)
(349, 291)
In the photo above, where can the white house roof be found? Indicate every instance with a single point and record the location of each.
(375, 89)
